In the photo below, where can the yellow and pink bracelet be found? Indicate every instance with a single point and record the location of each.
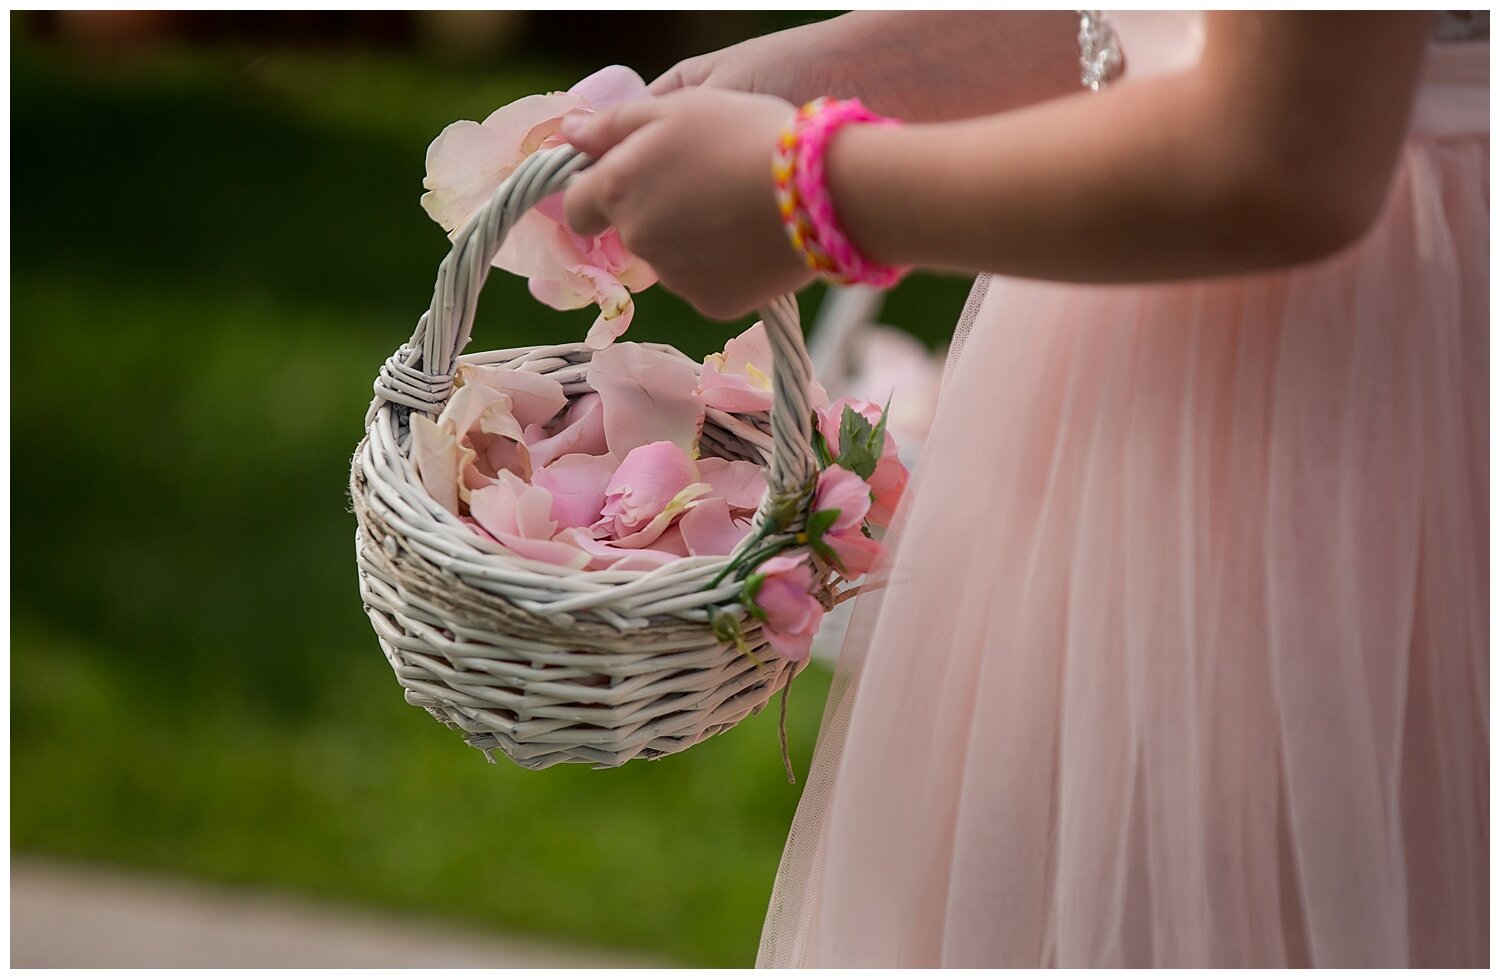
(806, 206)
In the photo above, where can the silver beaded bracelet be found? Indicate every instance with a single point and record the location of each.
(1098, 50)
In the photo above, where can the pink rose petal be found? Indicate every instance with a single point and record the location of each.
(648, 534)
(606, 554)
(477, 409)
(535, 398)
(481, 418)
(647, 480)
(439, 459)
(709, 528)
(649, 396)
(742, 483)
(556, 552)
(469, 160)
(577, 483)
(581, 430)
(467, 163)
(509, 506)
(672, 541)
(739, 379)
(503, 455)
(519, 517)
(616, 308)
(478, 528)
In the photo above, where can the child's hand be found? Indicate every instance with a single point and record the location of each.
(797, 65)
(686, 180)
(920, 66)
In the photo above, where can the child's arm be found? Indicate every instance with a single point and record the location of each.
(1276, 149)
(922, 66)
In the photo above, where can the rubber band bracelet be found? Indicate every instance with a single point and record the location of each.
(806, 206)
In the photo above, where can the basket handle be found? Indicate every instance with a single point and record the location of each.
(420, 374)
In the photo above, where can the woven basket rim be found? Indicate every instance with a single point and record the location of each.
(499, 556)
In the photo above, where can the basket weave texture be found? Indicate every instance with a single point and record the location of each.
(540, 662)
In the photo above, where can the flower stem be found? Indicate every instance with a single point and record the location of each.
(754, 558)
(730, 568)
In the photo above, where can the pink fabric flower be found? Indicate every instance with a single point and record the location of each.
(784, 594)
(653, 485)
(649, 395)
(841, 490)
(888, 481)
(466, 165)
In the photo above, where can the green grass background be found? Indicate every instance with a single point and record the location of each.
(212, 254)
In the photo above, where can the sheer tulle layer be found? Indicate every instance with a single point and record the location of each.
(1183, 657)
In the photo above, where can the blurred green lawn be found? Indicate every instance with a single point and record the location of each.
(212, 254)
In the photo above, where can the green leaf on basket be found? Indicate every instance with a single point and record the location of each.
(877, 437)
(726, 626)
(817, 527)
(856, 452)
(727, 629)
(749, 590)
(853, 427)
(830, 557)
(818, 524)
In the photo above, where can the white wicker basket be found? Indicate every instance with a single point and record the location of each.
(544, 663)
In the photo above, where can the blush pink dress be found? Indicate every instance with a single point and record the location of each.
(1183, 655)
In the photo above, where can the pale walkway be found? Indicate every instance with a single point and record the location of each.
(66, 915)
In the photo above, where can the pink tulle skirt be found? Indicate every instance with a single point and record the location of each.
(1182, 658)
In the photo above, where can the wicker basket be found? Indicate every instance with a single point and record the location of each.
(541, 662)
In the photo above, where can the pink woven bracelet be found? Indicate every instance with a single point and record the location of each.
(806, 205)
